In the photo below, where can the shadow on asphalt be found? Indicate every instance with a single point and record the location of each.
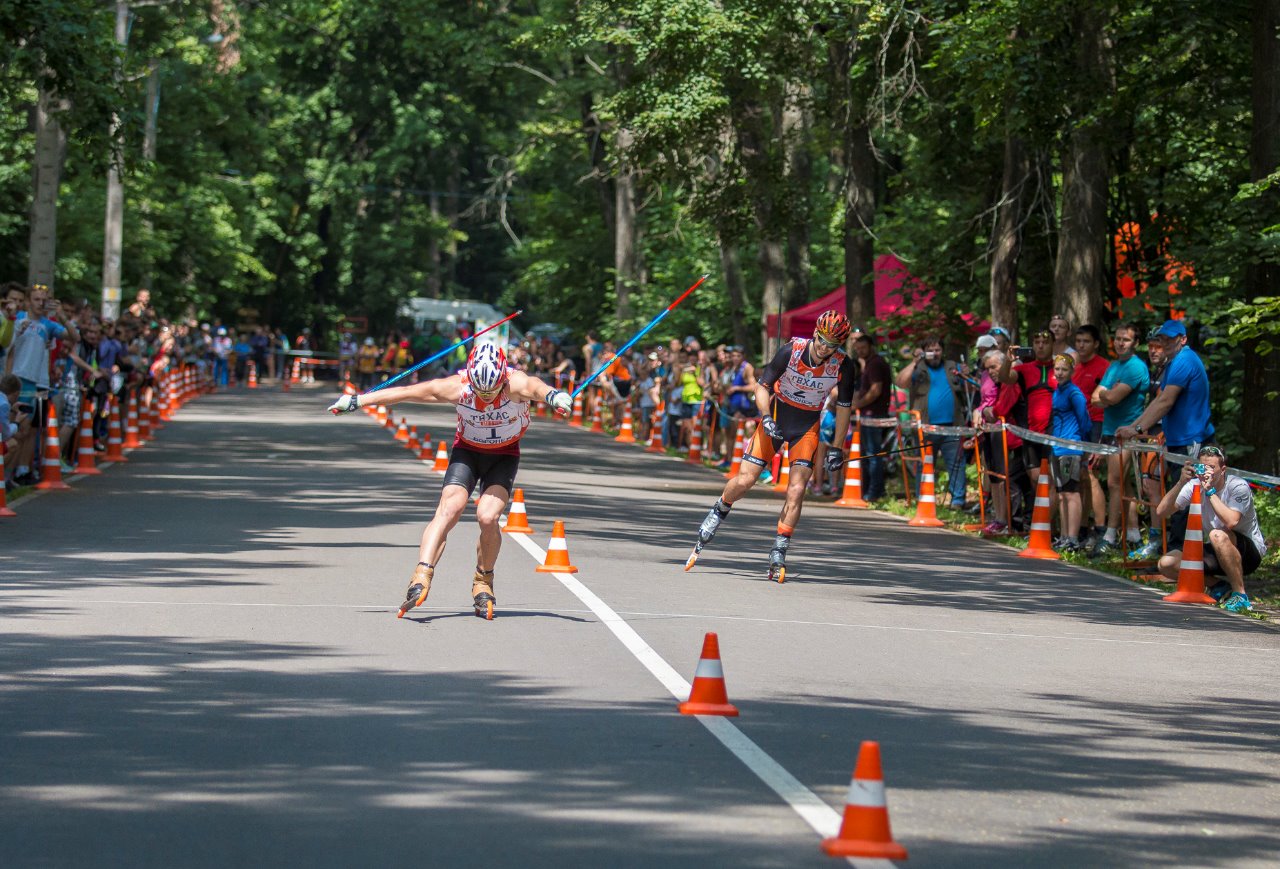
(242, 753)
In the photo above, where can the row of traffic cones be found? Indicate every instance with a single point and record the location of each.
(864, 829)
(170, 392)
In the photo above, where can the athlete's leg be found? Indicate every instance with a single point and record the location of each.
(488, 512)
(791, 508)
(453, 500)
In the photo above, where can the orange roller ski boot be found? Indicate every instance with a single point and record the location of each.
(419, 587)
(482, 593)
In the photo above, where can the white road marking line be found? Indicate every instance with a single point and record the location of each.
(713, 616)
(816, 813)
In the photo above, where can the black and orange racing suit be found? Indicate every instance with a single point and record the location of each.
(799, 389)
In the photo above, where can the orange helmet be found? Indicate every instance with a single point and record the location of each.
(833, 326)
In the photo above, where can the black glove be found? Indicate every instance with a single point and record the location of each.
(770, 426)
(834, 459)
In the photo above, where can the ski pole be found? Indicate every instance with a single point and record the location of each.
(444, 352)
(625, 347)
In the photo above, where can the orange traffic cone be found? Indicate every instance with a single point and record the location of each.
(115, 443)
(382, 415)
(926, 506)
(253, 375)
(865, 832)
(413, 444)
(517, 519)
(557, 560)
(51, 471)
(576, 419)
(784, 470)
(1041, 543)
(695, 443)
(144, 418)
(425, 453)
(132, 440)
(5, 511)
(655, 430)
(85, 463)
(442, 459)
(153, 417)
(402, 432)
(708, 695)
(627, 434)
(1191, 571)
(596, 425)
(739, 443)
(852, 496)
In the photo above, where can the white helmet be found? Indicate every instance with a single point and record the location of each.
(487, 369)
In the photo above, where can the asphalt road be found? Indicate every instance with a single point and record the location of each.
(201, 666)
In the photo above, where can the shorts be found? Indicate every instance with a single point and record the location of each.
(1066, 473)
(1250, 557)
(691, 410)
(799, 432)
(468, 466)
(623, 387)
(70, 416)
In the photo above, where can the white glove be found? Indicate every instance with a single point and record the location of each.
(345, 404)
(770, 426)
(560, 401)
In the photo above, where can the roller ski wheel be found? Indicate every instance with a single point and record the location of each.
(777, 566)
(706, 531)
(693, 557)
(482, 594)
(419, 588)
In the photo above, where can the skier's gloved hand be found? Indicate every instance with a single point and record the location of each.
(770, 426)
(560, 401)
(833, 461)
(345, 404)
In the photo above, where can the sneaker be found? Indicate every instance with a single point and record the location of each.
(995, 529)
(1219, 590)
(766, 476)
(826, 488)
(1237, 603)
(1103, 548)
(1145, 552)
(1068, 544)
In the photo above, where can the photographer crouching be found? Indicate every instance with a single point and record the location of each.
(1234, 546)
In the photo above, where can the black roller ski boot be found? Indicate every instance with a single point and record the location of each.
(419, 587)
(707, 530)
(482, 593)
(778, 559)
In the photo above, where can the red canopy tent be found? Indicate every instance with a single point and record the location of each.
(896, 290)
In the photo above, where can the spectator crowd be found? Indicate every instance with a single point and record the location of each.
(1082, 403)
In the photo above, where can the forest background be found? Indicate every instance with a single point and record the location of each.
(298, 162)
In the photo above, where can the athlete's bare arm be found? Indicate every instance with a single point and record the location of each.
(529, 388)
(443, 390)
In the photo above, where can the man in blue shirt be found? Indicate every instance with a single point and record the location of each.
(1070, 422)
(1121, 394)
(935, 393)
(1182, 406)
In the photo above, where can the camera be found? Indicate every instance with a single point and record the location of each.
(1199, 468)
(1024, 354)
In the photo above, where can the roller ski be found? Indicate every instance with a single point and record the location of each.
(778, 560)
(419, 587)
(706, 531)
(482, 594)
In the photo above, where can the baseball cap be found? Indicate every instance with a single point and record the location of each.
(222, 330)
(997, 330)
(986, 342)
(1170, 329)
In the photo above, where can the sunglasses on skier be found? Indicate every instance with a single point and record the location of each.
(832, 344)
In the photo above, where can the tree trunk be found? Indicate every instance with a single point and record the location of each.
(628, 262)
(435, 274)
(795, 125)
(1006, 239)
(859, 216)
(732, 270)
(773, 281)
(1262, 373)
(113, 222)
(1080, 273)
(149, 135)
(593, 131)
(50, 153)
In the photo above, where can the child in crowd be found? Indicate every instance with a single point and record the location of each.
(1070, 422)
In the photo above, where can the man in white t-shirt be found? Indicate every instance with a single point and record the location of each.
(1234, 545)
